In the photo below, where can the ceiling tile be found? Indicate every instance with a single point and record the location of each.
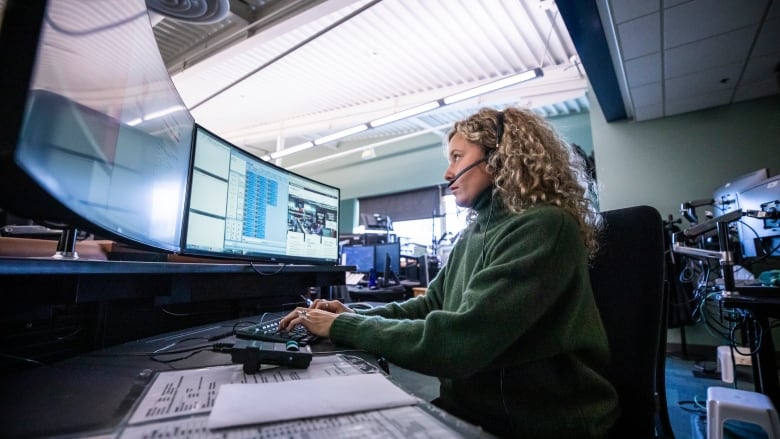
(648, 112)
(699, 102)
(648, 94)
(643, 70)
(760, 68)
(640, 37)
(624, 10)
(712, 52)
(705, 81)
(774, 10)
(699, 19)
(727, 48)
(756, 90)
(672, 3)
(768, 39)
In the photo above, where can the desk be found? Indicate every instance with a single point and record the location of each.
(762, 307)
(395, 293)
(95, 393)
(84, 305)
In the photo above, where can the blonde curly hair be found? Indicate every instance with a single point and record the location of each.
(531, 165)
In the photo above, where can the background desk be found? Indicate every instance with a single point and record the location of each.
(94, 393)
(762, 308)
(395, 293)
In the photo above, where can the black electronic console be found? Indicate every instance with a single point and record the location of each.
(253, 353)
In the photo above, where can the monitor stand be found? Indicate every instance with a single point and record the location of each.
(66, 246)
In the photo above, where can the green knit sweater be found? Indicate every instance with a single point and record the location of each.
(516, 340)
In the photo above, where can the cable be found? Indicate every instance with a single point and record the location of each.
(177, 314)
(78, 33)
(281, 268)
(698, 407)
(22, 359)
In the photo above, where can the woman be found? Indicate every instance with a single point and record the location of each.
(509, 325)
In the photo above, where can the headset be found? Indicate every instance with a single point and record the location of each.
(499, 135)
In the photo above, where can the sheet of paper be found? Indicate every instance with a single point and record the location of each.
(396, 423)
(187, 392)
(247, 404)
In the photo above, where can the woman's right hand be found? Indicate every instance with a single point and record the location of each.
(333, 306)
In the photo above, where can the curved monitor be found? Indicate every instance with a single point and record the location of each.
(95, 135)
(242, 207)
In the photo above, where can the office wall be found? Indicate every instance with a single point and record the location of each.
(664, 162)
(348, 215)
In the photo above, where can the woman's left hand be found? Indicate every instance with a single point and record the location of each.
(317, 321)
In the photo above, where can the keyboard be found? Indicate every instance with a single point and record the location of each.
(268, 330)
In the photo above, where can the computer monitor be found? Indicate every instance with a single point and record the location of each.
(361, 256)
(242, 207)
(381, 251)
(726, 197)
(759, 227)
(94, 134)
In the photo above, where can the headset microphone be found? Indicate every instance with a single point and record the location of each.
(465, 170)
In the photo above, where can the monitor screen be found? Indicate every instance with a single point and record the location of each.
(380, 255)
(759, 231)
(94, 134)
(361, 256)
(240, 206)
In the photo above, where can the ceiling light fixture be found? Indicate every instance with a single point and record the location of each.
(288, 151)
(404, 114)
(340, 134)
(370, 146)
(493, 86)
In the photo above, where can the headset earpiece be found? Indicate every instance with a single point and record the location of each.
(499, 127)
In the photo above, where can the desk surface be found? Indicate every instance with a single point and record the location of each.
(762, 304)
(96, 392)
(49, 265)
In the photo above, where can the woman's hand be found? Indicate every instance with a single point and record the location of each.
(317, 319)
(333, 306)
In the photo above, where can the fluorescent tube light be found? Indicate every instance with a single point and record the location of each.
(404, 114)
(290, 150)
(487, 88)
(340, 134)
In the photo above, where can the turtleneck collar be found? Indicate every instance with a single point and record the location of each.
(482, 206)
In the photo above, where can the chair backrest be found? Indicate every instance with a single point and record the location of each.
(629, 286)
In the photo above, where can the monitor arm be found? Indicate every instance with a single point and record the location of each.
(724, 255)
(688, 208)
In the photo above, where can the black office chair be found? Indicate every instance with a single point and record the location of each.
(628, 282)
